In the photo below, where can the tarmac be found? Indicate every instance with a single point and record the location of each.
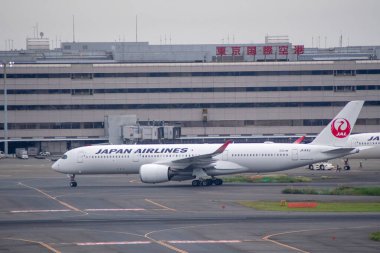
(39, 212)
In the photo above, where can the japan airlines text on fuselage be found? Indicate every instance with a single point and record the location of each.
(162, 163)
(369, 140)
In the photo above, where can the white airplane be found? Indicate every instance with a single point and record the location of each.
(203, 162)
(369, 144)
(370, 140)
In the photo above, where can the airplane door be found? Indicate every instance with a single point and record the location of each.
(225, 155)
(80, 157)
(295, 154)
(135, 157)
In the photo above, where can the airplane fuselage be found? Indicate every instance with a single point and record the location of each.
(365, 140)
(237, 158)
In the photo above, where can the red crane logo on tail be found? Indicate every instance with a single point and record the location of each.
(340, 128)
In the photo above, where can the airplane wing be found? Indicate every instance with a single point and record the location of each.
(204, 160)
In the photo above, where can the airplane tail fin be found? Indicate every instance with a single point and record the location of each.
(336, 133)
(299, 140)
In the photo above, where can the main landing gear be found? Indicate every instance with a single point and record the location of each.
(346, 165)
(207, 182)
(73, 183)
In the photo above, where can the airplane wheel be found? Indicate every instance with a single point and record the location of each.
(347, 167)
(218, 181)
(322, 167)
(204, 183)
(73, 184)
(311, 167)
(208, 182)
(195, 183)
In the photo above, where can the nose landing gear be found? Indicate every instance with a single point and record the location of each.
(73, 183)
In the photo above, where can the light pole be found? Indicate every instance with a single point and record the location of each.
(5, 65)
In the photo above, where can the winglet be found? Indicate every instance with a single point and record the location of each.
(299, 140)
(222, 148)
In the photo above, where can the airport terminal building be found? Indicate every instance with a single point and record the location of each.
(63, 98)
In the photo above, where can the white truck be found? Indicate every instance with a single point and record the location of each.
(21, 153)
(321, 166)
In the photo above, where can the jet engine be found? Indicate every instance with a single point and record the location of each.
(155, 173)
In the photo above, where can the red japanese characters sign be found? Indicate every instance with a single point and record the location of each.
(283, 50)
(220, 50)
(299, 49)
(254, 50)
(251, 50)
(235, 50)
(267, 50)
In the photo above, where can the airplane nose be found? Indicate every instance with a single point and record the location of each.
(55, 166)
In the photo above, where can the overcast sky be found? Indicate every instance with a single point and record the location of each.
(192, 21)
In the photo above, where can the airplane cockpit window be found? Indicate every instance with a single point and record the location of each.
(64, 157)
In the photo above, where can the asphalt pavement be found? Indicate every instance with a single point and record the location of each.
(39, 212)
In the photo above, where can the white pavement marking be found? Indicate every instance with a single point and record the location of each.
(267, 238)
(149, 242)
(111, 243)
(115, 209)
(40, 211)
(157, 204)
(87, 210)
(205, 241)
(45, 245)
(53, 198)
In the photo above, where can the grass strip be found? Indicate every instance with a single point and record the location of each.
(266, 179)
(342, 190)
(375, 236)
(322, 207)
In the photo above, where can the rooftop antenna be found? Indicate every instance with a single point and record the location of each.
(73, 28)
(136, 28)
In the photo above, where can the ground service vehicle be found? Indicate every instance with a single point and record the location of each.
(22, 153)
